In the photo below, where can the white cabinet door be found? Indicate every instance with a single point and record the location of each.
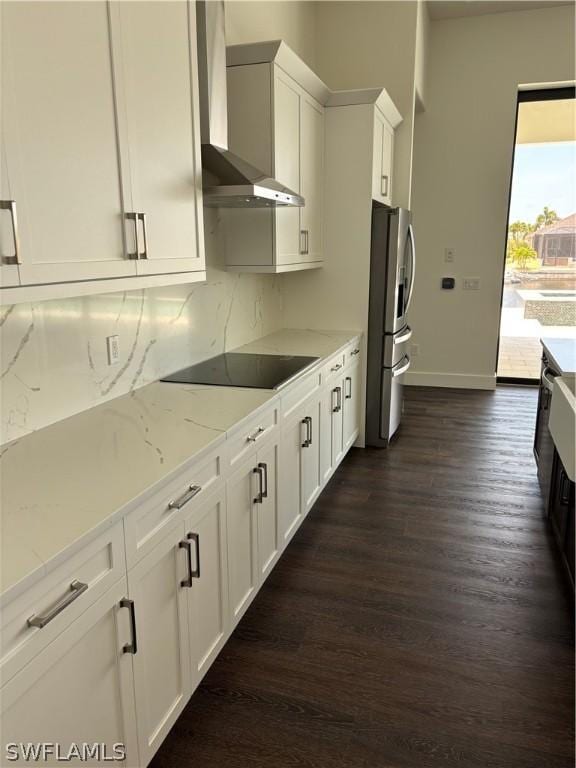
(387, 163)
(156, 71)
(326, 457)
(337, 398)
(290, 512)
(312, 175)
(310, 456)
(267, 509)
(158, 587)
(287, 127)
(208, 596)
(241, 490)
(79, 689)
(382, 160)
(351, 405)
(61, 140)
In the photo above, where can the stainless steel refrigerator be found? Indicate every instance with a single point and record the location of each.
(392, 265)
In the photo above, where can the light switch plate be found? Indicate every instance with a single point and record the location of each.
(471, 283)
(113, 348)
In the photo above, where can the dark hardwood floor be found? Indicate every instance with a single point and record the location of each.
(419, 617)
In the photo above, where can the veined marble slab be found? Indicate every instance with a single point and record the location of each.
(72, 478)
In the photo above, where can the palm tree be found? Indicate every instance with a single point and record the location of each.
(547, 217)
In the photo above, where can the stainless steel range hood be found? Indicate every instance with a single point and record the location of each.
(240, 185)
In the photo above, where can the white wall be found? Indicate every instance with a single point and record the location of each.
(462, 161)
(372, 44)
(53, 354)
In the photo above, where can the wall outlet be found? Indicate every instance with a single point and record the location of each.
(113, 347)
(415, 350)
(471, 283)
(449, 255)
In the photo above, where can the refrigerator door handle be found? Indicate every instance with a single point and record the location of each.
(412, 266)
(402, 367)
(402, 337)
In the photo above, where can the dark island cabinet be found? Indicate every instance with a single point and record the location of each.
(561, 513)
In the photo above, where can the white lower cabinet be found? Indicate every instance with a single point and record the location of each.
(300, 462)
(122, 670)
(79, 689)
(253, 533)
(208, 594)
(351, 406)
(157, 585)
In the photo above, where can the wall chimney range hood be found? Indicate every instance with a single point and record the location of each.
(240, 185)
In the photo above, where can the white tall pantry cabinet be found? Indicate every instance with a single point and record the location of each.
(97, 184)
(276, 122)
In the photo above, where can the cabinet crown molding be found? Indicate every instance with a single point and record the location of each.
(379, 97)
(279, 53)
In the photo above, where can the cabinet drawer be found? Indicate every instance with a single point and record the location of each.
(146, 525)
(251, 435)
(333, 368)
(53, 603)
(298, 394)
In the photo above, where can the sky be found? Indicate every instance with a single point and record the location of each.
(544, 174)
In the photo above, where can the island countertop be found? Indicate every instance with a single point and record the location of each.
(562, 354)
(73, 477)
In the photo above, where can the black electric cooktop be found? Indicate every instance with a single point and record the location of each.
(236, 369)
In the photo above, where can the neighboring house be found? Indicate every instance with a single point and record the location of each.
(556, 243)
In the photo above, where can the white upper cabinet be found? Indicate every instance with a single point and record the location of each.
(62, 152)
(87, 88)
(155, 54)
(383, 159)
(276, 123)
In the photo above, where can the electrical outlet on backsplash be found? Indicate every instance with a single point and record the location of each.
(54, 364)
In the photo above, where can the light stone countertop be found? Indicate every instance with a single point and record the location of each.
(73, 478)
(562, 354)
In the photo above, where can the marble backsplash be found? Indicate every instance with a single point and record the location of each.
(53, 354)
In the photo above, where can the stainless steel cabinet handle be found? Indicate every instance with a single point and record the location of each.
(307, 246)
(193, 490)
(302, 241)
(76, 589)
(336, 367)
(133, 646)
(338, 406)
(258, 471)
(133, 217)
(402, 367)
(10, 205)
(306, 442)
(546, 381)
(193, 573)
(144, 253)
(355, 352)
(256, 435)
(264, 467)
(348, 394)
(384, 186)
(310, 428)
(187, 545)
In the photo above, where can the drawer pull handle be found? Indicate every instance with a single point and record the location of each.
(256, 435)
(76, 589)
(336, 367)
(133, 646)
(355, 352)
(192, 491)
(348, 381)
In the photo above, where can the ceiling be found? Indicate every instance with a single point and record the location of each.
(451, 9)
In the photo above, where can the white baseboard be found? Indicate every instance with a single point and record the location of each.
(453, 380)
